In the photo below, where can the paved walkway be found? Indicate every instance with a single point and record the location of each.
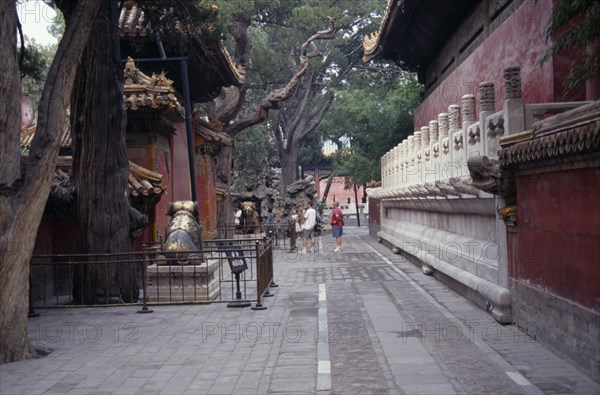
(363, 321)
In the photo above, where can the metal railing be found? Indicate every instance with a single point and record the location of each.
(153, 276)
(279, 231)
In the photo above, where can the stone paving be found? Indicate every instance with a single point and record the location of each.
(363, 321)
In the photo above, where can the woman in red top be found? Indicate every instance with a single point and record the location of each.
(337, 223)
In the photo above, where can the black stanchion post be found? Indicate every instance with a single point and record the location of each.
(238, 302)
(259, 272)
(145, 308)
(273, 284)
(269, 242)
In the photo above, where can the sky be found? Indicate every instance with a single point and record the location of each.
(35, 17)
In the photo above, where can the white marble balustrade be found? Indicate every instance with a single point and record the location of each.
(432, 162)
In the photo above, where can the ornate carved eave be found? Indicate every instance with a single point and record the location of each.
(211, 65)
(571, 133)
(401, 36)
(154, 92)
(205, 130)
(371, 41)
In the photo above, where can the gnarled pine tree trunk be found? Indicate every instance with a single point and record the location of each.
(100, 166)
(289, 165)
(23, 195)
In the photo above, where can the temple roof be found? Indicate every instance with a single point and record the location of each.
(211, 67)
(206, 130)
(155, 92)
(142, 182)
(412, 32)
(28, 133)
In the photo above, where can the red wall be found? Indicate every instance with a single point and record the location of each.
(206, 184)
(337, 190)
(519, 41)
(55, 236)
(559, 233)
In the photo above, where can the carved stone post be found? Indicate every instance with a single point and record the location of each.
(383, 170)
(433, 131)
(468, 110)
(438, 148)
(514, 111)
(487, 97)
(404, 161)
(453, 118)
(449, 168)
(424, 137)
(443, 125)
(411, 168)
(396, 151)
(487, 104)
(425, 154)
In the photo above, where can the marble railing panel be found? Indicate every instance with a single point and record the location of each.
(474, 140)
(494, 130)
(539, 111)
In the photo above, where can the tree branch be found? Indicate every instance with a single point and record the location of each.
(275, 99)
(317, 116)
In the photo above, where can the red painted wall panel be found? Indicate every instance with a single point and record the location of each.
(338, 192)
(207, 192)
(161, 166)
(519, 41)
(559, 233)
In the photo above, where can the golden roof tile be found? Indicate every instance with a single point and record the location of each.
(144, 182)
(131, 20)
(132, 25)
(371, 41)
(141, 91)
(27, 135)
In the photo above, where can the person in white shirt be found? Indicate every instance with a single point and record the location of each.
(238, 218)
(308, 228)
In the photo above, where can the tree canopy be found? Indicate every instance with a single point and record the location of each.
(374, 113)
(273, 33)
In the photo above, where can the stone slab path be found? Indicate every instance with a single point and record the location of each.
(363, 321)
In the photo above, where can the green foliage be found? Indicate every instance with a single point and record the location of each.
(34, 69)
(181, 21)
(574, 25)
(277, 29)
(310, 151)
(356, 167)
(57, 27)
(376, 114)
(251, 153)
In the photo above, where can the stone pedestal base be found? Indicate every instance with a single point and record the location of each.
(183, 283)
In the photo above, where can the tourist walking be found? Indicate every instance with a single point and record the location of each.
(337, 226)
(270, 228)
(308, 228)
